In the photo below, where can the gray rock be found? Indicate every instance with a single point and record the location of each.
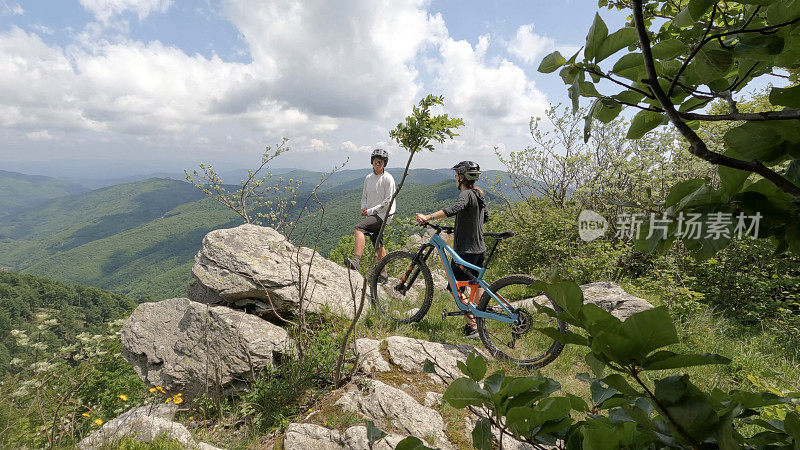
(606, 294)
(307, 435)
(310, 436)
(410, 355)
(370, 357)
(355, 438)
(386, 405)
(143, 424)
(432, 399)
(253, 262)
(611, 297)
(190, 347)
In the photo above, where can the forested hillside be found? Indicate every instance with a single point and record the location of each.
(140, 238)
(72, 308)
(24, 191)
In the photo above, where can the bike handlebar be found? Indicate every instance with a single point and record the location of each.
(438, 228)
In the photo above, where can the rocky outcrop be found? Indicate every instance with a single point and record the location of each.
(409, 354)
(143, 424)
(188, 347)
(310, 436)
(390, 406)
(256, 266)
(607, 295)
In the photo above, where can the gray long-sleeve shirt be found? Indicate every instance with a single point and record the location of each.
(378, 191)
(469, 222)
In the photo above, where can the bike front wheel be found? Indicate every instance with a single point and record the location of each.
(520, 343)
(407, 294)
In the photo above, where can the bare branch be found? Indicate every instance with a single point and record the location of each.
(697, 145)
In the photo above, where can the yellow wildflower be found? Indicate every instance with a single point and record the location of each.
(169, 399)
(86, 415)
(98, 422)
(123, 397)
(177, 399)
(152, 389)
(191, 417)
(161, 389)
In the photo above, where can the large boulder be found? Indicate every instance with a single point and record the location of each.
(188, 347)
(606, 294)
(389, 406)
(256, 266)
(143, 424)
(310, 436)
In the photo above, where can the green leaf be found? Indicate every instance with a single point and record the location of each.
(464, 392)
(792, 425)
(630, 66)
(412, 443)
(519, 385)
(615, 42)
(600, 393)
(606, 110)
(551, 62)
(651, 329)
(482, 435)
(681, 190)
(683, 19)
(567, 337)
(374, 433)
(713, 62)
(789, 97)
(699, 7)
(632, 97)
(476, 366)
(668, 49)
(428, 367)
(588, 89)
(643, 122)
(619, 383)
(783, 11)
(756, 47)
(594, 39)
(669, 360)
(494, 381)
(692, 104)
(768, 142)
(597, 366)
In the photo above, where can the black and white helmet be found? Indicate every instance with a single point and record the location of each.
(380, 153)
(470, 169)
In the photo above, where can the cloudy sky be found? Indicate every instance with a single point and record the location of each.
(186, 81)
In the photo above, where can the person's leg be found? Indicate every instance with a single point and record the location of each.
(361, 242)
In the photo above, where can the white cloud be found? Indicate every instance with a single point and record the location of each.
(528, 46)
(42, 135)
(104, 10)
(338, 59)
(14, 9)
(486, 93)
(321, 73)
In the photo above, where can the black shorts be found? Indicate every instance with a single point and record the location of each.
(371, 225)
(462, 275)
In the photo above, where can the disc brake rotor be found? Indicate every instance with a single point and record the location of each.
(523, 324)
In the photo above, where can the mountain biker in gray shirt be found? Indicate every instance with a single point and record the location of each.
(470, 211)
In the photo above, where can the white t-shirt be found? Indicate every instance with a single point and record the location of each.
(378, 191)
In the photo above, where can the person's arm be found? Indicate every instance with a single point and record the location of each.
(386, 189)
(364, 196)
(460, 204)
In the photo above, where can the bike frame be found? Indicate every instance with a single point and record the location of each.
(443, 249)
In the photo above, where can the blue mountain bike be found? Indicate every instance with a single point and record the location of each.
(507, 321)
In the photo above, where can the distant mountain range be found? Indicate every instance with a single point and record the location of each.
(140, 238)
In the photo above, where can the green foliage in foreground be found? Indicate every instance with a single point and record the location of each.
(60, 394)
(78, 309)
(627, 409)
(681, 56)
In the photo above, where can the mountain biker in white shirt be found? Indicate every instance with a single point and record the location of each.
(379, 187)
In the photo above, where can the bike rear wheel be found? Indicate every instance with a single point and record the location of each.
(520, 343)
(406, 297)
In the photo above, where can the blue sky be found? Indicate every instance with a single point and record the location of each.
(189, 81)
